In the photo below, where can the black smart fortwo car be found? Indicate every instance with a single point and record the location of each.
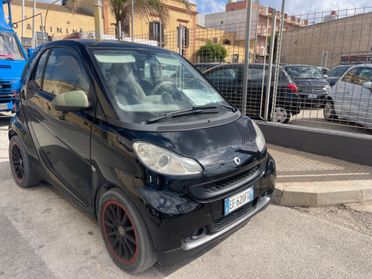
(141, 141)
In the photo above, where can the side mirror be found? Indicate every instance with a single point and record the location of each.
(71, 101)
(325, 76)
(30, 52)
(367, 84)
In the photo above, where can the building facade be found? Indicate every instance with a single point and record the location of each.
(233, 19)
(337, 41)
(59, 23)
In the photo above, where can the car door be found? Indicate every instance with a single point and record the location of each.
(62, 138)
(362, 99)
(343, 94)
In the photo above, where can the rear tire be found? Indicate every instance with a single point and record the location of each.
(281, 115)
(124, 233)
(20, 164)
(329, 112)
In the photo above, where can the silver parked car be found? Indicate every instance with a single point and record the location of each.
(351, 97)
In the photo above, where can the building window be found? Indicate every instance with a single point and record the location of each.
(215, 40)
(226, 42)
(183, 34)
(155, 31)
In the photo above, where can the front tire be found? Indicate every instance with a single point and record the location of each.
(329, 111)
(20, 164)
(124, 233)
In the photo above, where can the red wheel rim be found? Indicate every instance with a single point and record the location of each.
(120, 232)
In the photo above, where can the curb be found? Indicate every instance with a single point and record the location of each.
(320, 197)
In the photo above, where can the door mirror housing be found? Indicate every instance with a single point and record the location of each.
(30, 52)
(367, 84)
(71, 101)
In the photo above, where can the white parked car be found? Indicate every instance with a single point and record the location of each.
(351, 97)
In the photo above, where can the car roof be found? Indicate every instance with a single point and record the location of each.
(300, 65)
(82, 43)
(362, 65)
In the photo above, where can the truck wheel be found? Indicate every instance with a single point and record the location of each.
(124, 233)
(20, 164)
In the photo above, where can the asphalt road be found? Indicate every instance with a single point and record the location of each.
(44, 236)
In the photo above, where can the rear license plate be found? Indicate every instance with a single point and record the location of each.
(234, 202)
(3, 106)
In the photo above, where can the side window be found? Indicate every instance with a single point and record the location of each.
(40, 68)
(351, 76)
(223, 74)
(64, 72)
(365, 75)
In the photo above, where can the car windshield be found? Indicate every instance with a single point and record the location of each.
(338, 71)
(9, 47)
(303, 72)
(148, 84)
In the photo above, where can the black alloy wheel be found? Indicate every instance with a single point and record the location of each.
(124, 232)
(120, 232)
(17, 162)
(24, 173)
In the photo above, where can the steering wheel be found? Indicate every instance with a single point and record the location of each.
(170, 87)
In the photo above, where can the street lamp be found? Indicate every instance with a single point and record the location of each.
(98, 24)
(46, 13)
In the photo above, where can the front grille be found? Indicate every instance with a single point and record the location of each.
(5, 87)
(315, 89)
(221, 184)
(224, 221)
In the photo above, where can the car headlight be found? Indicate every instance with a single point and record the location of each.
(327, 88)
(260, 139)
(162, 161)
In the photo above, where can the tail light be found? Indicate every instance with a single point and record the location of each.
(293, 88)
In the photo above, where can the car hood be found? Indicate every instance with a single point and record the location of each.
(214, 148)
(310, 82)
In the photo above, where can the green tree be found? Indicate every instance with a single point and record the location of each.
(211, 52)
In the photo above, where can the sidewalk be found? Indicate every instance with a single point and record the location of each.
(305, 179)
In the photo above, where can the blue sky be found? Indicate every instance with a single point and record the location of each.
(294, 7)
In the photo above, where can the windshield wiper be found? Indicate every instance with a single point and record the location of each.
(184, 112)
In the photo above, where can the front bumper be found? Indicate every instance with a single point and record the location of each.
(262, 202)
(312, 100)
(174, 235)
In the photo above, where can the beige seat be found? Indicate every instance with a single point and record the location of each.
(124, 86)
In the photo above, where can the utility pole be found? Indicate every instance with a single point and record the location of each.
(132, 27)
(98, 20)
(270, 68)
(247, 48)
(23, 17)
(34, 39)
(277, 59)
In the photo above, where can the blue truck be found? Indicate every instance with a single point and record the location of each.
(12, 61)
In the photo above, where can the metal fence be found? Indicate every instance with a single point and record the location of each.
(287, 82)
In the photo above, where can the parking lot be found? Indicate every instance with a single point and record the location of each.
(43, 236)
